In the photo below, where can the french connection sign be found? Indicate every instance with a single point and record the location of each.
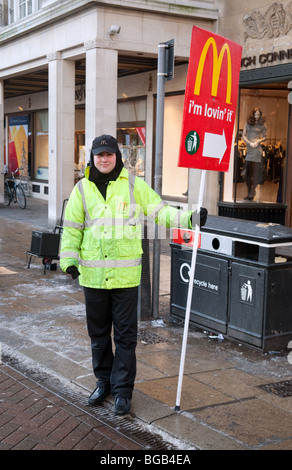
(210, 102)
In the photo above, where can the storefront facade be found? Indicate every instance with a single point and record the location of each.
(48, 131)
(264, 31)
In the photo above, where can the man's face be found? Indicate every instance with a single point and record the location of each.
(105, 162)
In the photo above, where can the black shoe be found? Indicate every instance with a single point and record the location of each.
(98, 395)
(122, 405)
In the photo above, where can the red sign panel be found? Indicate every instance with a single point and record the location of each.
(185, 237)
(210, 102)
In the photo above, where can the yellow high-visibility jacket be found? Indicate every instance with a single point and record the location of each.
(102, 238)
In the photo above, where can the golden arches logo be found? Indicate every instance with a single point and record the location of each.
(217, 64)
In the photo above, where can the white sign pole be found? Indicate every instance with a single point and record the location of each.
(189, 298)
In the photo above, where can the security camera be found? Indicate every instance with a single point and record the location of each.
(114, 29)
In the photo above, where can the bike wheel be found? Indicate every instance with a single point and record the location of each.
(20, 197)
(7, 198)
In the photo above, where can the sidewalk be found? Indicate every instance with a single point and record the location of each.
(233, 397)
(35, 418)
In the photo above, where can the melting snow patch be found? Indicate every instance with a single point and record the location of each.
(158, 323)
(31, 364)
(34, 288)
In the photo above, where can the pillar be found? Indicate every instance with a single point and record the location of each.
(101, 92)
(61, 133)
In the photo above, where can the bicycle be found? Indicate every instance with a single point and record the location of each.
(13, 191)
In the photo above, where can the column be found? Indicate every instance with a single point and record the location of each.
(61, 133)
(2, 141)
(149, 138)
(101, 92)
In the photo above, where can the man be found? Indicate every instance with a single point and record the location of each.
(101, 243)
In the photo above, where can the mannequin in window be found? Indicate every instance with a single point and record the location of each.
(254, 133)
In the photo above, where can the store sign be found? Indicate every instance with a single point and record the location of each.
(210, 102)
(271, 57)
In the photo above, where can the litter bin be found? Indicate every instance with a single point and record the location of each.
(242, 282)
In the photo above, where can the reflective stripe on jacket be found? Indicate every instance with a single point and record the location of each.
(103, 237)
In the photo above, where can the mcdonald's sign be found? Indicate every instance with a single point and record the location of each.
(210, 102)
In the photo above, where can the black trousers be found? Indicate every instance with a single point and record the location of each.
(116, 310)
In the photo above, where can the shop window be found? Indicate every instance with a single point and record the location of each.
(18, 144)
(132, 110)
(41, 144)
(259, 168)
(132, 144)
(131, 134)
(174, 178)
(79, 155)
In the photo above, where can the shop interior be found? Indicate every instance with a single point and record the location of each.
(272, 100)
(131, 141)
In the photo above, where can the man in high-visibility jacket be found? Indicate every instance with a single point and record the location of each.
(101, 244)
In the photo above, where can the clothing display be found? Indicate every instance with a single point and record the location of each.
(272, 161)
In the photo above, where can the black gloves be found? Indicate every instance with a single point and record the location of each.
(203, 217)
(73, 270)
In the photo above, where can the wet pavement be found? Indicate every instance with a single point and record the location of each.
(233, 397)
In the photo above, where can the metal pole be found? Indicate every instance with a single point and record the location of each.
(161, 74)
